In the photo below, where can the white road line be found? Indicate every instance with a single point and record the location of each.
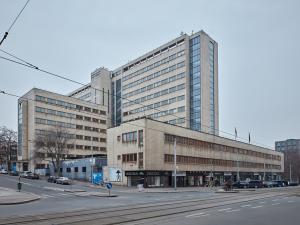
(234, 210)
(285, 197)
(245, 206)
(291, 201)
(255, 207)
(203, 215)
(48, 196)
(262, 202)
(277, 203)
(220, 210)
(275, 200)
(196, 214)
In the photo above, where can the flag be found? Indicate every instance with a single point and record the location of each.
(249, 138)
(235, 133)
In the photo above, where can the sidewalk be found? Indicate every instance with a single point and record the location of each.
(125, 189)
(10, 196)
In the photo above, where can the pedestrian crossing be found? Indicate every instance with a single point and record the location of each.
(56, 195)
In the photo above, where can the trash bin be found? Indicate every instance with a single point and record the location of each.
(19, 186)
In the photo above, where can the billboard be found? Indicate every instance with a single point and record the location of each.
(115, 174)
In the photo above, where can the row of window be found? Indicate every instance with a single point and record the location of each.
(90, 119)
(46, 132)
(212, 88)
(149, 97)
(54, 123)
(202, 144)
(87, 147)
(151, 66)
(161, 93)
(154, 75)
(94, 129)
(129, 157)
(157, 105)
(54, 112)
(195, 83)
(68, 105)
(159, 83)
(180, 159)
(89, 138)
(177, 121)
(133, 137)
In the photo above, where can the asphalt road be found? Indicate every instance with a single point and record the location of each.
(55, 199)
(261, 207)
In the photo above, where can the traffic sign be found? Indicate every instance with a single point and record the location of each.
(109, 186)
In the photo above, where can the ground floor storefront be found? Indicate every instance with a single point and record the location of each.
(191, 178)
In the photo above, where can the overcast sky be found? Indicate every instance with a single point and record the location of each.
(259, 52)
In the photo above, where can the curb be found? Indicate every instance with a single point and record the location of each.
(74, 191)
(20, 202)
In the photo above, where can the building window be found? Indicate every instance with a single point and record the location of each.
(68, 170)
(76, 169)
(129, 137)
(129, 157)
(141, 138)
(84, 169)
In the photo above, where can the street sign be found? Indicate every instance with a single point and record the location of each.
(109, 186)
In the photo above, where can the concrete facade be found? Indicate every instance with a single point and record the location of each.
(40, 111)
(148, 154)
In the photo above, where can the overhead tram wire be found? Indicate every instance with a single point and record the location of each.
(30, 65)
(106, 118)
(13, 23)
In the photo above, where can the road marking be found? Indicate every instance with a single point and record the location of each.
(245, 206)
(285, 197)
(203, 215)
(234, 210)
(291, 201)
(220, 210)
(262, 202)
(196, 214)
(275, 200)
(63, 194)
(277, 203)
(48, 196)
(255, 207)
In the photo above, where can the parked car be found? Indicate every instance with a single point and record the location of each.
(270, 184)
(52, 179)
(24, 174)
(32, 176)
(63, 180)
(3, 171)
(255, 184)
(240, 184)
(13, 173)
(292, 183)
(280, 183)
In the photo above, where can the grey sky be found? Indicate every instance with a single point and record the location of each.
(259, 52)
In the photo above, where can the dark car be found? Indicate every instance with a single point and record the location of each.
(13, 173)
(240, 184)
(291, 183)
(33, 176)
(280, 183)
(52, 179)
(255, 184)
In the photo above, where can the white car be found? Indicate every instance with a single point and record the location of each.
(3, 171)
(63, 180)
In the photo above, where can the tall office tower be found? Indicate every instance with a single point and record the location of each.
(175, 83)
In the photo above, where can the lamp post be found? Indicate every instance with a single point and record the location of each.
(175, 175)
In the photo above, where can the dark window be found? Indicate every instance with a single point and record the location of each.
(76, 169)
(84, 169)
(68, 170)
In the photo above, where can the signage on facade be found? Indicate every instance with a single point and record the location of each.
(115, 174)
(179, 174)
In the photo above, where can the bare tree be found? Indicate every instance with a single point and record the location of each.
(53, 146)
(8, 143)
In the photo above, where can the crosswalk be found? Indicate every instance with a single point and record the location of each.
(56, 195)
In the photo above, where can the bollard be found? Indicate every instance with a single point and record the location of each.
(19, 186)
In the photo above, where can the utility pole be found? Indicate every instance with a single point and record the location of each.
(290, 171)
(175, 161)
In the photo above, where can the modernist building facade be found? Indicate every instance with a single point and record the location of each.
(143, 149)
(175, 83)
(40, 111)
(291, 150)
